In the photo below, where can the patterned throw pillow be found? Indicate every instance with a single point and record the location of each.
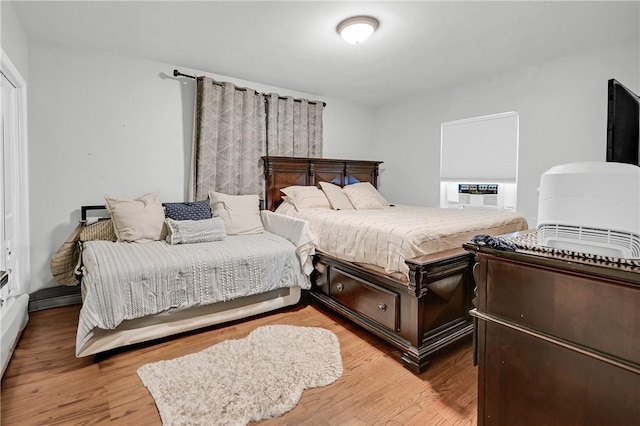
(101, 230)
(195, 231)
(196, 210)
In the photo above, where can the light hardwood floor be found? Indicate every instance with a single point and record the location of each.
(45, 383)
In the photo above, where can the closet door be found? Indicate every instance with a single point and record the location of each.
(14, 186)
(14, 232)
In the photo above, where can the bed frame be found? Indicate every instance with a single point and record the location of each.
(419, 317)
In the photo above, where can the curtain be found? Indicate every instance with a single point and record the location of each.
(229, 139)
(294, 127)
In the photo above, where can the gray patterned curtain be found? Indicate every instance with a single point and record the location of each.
(294, 128)
(229, 139)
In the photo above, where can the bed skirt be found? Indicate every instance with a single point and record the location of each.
(179, 321)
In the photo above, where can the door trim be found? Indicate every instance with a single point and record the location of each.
(20, 158)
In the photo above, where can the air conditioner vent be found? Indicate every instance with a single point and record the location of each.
(490, 200)
(590, 240)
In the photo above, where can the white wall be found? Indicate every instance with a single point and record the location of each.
(104, 123)
(13, 38)
(563, 110)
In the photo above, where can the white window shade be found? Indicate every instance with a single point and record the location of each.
(481, 149)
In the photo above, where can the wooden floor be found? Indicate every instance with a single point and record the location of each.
(45, 383)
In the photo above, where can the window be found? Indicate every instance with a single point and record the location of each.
(479, 161)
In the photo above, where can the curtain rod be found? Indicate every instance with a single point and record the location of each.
(177, 73)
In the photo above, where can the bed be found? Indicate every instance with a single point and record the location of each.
(417, 298)
(137, 292)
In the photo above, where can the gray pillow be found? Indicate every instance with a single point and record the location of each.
(195, 231)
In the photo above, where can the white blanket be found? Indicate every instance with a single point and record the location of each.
(387, 237)
(297, 231)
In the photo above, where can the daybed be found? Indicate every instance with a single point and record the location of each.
(139, 291)
(414, 286)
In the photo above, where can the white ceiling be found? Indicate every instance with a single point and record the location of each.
(419, 45)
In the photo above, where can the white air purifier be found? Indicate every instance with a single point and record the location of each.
(591, 207)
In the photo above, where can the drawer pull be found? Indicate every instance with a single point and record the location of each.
(382, 307)
(340, 286)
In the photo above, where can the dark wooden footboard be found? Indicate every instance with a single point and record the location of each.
(421, 317)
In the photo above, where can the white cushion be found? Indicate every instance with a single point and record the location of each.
(364, 196)
(306, 197)
(336, 196)
(138, 219)
(286, 208)
(240, 213)
(195, 231)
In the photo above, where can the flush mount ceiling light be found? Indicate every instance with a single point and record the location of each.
(357, 29)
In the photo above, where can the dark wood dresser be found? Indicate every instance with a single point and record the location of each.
(557, 340)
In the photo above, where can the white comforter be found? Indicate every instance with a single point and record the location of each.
(386, 237)
(123, 281)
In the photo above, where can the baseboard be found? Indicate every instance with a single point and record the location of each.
(54, 297)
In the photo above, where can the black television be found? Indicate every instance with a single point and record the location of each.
(623, 122)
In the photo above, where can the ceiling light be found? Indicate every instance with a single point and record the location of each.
(357, 29)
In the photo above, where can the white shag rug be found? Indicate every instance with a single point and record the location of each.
(238, 381)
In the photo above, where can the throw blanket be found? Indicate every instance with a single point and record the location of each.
(297, 231)
(124, 281)
(387, 237)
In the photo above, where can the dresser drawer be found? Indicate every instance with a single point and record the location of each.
(588, 311)
(375, 302)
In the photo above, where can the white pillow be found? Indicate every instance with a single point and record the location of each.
(306, 197)
(286, 208)
(336, 196)
(138, 219)
(364, 196)
(240, 213)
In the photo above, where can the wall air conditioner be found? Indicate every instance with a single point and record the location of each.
(472, 194)
(591, 207)
(478, 195)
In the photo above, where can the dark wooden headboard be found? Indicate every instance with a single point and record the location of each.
(280, 172)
